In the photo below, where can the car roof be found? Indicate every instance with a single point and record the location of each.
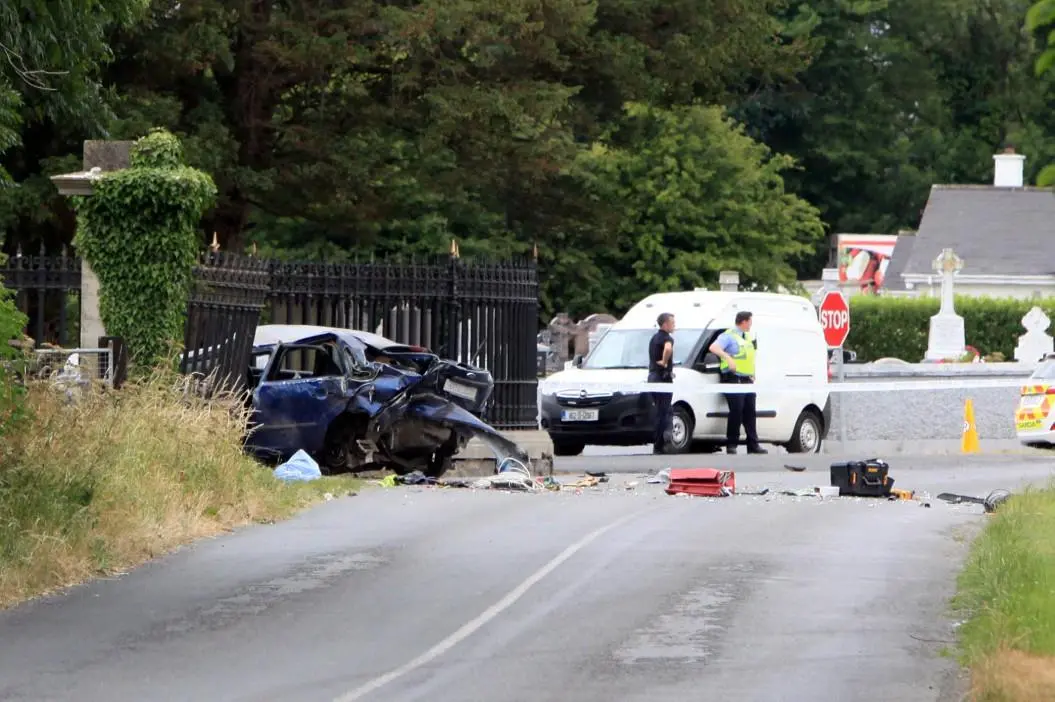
(270, 334)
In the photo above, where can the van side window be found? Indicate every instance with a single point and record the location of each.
(709, 338)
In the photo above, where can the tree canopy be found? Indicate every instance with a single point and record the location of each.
(636, 143)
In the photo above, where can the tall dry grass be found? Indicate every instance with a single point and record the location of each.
(118, 477)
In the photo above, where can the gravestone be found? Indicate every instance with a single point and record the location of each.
(946, 336)
(1035, 343)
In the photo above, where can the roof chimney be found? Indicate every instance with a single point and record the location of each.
(1007, 169)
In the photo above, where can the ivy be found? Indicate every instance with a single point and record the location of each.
(139, 233)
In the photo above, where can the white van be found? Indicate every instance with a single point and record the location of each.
(791, 352)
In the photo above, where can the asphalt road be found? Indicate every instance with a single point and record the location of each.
(410, 594)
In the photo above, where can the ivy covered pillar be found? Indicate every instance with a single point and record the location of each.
(137, 231)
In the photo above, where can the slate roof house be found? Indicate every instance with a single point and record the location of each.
(1004, 232)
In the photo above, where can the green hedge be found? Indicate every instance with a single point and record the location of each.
(897, 327)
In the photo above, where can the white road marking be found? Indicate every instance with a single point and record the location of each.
(490, 613)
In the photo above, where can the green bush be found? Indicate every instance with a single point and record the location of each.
(897, 327)
(12, 408)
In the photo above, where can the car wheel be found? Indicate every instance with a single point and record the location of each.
(807, 435)
(568, 448)
(338, 454)
(681, 430)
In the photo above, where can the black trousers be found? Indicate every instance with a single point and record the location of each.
(664, 417)
(741, 413)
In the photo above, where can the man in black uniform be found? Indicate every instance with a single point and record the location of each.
(661, 370)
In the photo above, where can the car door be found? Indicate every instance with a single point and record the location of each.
(773, 348)
(692, 384)
(293, 407)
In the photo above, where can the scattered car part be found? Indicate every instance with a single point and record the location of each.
(704, 482)
(990, 502)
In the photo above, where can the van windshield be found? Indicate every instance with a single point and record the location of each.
(628, 348)
(1045, 371)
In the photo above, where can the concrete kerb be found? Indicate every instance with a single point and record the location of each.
(477, 459)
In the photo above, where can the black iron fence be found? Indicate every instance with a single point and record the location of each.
(48, 291)
(480, 313)
(227, 295)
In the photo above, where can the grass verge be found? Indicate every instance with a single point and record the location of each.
(113, 479)
(1007, 590)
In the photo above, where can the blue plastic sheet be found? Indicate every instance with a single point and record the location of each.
(300, 467)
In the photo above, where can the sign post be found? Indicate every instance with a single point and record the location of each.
(835, 320)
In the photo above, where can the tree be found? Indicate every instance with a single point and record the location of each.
(694, 195)
(50, 55)
(1040, 21)
(51, 98)
(362, 125)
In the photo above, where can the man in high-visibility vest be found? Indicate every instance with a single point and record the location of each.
(736, 347)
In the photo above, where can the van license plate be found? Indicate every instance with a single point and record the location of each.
(580, 415)
(466, 392)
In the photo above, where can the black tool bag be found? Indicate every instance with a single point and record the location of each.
(867, 478)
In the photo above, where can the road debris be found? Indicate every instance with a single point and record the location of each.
(299, 468)
(703, 482)
(654, 478)
(867, 478)
(990, 502)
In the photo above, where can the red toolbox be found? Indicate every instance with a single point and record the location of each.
(704, 482)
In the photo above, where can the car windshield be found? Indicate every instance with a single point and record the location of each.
(628, 348)
(1045, 371)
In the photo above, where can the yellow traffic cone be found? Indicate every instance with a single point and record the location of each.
(969, 444)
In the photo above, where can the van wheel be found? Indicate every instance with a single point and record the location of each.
(681, 430)
(807, 435)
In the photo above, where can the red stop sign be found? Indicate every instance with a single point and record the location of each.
(835, 318)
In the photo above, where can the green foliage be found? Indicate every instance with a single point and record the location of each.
(883, 327)
(158, 149)
(691, 195)
(12, 409)
(50, 55)
(139, 232)
(359, 128)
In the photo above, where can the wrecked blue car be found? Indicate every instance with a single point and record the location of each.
(357, 401)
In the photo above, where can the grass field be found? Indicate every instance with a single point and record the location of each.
(1007, 590)
(116, 478)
